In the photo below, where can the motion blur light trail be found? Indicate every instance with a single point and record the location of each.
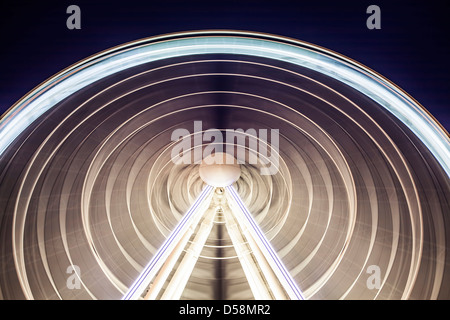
(140, 52)
(86, 177)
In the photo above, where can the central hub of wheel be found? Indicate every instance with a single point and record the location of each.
(219, 170)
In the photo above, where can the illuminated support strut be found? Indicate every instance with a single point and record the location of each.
(275, 273)
(266, 275)
(179, 280)
(176, 238)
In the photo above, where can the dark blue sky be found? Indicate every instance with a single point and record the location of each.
(412, 49)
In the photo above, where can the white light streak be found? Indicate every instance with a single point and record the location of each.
(46, 96)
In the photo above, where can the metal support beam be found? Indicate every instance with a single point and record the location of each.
(166, 269)
(254, 276)
(262, 249)
(190, 219)
(179, 280)
(267, 276)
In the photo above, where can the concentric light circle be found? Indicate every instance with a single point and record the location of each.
(87, 177)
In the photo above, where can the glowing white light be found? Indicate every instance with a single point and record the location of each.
(46, 96)
(271, 256)
(147, 275)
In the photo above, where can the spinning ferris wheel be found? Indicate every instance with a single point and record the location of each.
(88, 177)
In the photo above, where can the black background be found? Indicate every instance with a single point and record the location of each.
(412, 49)
(314, 309)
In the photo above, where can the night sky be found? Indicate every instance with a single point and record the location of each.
(412, 49)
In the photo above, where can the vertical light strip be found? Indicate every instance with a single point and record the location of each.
(146, 276)
(266, 248)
